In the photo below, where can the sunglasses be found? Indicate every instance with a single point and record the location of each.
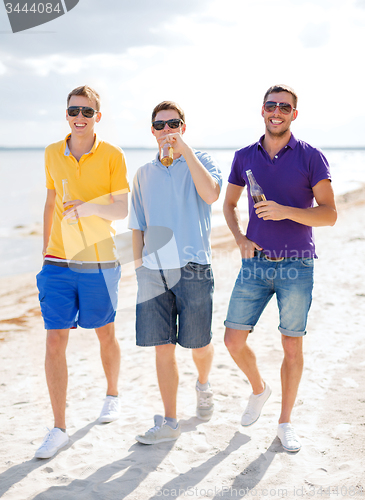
(173, 123)
(284, 107)
(86, 111)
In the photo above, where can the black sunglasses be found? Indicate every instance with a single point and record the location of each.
(86, 111)
(284, 107)
(173, 123)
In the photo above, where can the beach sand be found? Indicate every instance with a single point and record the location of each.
(216, 459)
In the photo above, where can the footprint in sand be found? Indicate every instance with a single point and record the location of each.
(349, 382)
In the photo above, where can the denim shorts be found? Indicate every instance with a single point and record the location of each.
(258, 280)
(175, 306)
(71, 297)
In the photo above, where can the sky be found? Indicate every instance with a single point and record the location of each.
(216, 58)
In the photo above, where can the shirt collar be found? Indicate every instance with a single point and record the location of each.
(291, 144)
(67, 151)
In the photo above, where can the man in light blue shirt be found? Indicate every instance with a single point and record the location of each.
(171, 222)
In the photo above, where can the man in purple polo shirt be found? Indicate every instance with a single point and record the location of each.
(277, 250)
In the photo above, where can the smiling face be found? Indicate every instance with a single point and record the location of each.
(81, 126)
(277, 123)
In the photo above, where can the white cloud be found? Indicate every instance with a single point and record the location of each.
(217, 62)
(315, 34)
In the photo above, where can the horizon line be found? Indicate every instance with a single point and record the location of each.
(148, 148)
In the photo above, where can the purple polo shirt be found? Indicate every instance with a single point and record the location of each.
(288, 179)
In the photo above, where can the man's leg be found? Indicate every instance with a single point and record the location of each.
(244, 357)
(291, 373)
(56, 373)
(110, 356)
(203, 358)
(168, 377)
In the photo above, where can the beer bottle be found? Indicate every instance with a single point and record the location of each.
(67, 197)
(167, 154)
(255, 190)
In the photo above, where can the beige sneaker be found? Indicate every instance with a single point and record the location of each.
(53, 441)
(288, 437)
(110, 411)
(160, 433)
(204, 405)
(254, 406)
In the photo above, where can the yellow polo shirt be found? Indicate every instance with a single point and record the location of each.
(98, 176)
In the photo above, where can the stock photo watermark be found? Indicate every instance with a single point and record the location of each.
(221, 491)
(24, 15)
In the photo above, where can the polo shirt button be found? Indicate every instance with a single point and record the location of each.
(276, 156)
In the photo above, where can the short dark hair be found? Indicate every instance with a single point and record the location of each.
(275, 89)
(165, 105)
(85, 91)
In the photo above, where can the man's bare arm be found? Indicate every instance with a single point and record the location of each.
(137, 243)
(233, 219)
(48, 217)
(324, 214)
(207, 187)
(117, 208)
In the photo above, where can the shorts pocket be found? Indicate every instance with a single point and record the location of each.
(307, 262)
(200, 270)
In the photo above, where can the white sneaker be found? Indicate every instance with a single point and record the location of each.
(288, 437)
(254, 406)
(54, 440)
(204, 405)
(110, 410)
(160, 433)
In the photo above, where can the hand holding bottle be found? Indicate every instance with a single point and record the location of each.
(70, 215)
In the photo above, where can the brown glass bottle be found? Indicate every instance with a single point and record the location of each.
(67, 197)
(167, 154)
(255, 189)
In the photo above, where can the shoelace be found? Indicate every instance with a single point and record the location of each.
(250, 406)
(110, 405)
(49, 437)
(290, 434)
(155, 428)
(204, 399)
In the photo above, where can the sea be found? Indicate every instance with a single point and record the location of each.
(22, 196)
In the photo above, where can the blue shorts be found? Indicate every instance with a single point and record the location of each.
(71, 297)
(175, 306)
(258, 280)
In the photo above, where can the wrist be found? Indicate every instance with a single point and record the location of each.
(187, 151)
(240, 238)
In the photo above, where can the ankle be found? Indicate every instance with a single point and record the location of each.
(259, 389)
(202, 387)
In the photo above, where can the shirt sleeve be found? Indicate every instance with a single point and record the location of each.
(137, 219)
(118, 174)
(212, 166)
(318, 167)
(235, 177)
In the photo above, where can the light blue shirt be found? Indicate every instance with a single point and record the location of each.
(176, 221)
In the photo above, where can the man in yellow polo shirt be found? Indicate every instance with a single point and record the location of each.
(78, 284)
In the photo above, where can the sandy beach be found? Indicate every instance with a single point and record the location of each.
(217, 459)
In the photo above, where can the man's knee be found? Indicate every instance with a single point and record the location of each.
(203, 352)
(235, 340)
(106, 333)
(165, 351)
(56, 341)
(293, 347)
